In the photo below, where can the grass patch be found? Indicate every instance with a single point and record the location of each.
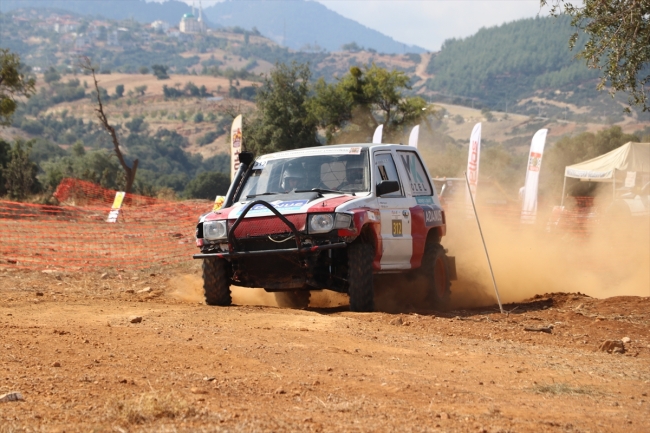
(563, 389)
(150, 407)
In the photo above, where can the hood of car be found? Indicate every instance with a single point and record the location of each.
(286, 204)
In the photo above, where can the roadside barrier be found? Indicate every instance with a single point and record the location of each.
(75, 235)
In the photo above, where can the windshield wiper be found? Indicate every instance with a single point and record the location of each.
(264, 193)
(322, 191)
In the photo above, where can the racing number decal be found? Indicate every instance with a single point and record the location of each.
(397, 228)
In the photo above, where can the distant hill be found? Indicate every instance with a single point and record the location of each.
(294, 24)
(145, 12)
(511, 62)
(299, 23)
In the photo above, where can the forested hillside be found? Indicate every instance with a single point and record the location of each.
(505, 64)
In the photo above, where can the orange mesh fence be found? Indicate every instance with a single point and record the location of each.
(75, 234)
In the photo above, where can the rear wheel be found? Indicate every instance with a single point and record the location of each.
(360, 278)
(435, 270)
(298, 299)
(216, 284)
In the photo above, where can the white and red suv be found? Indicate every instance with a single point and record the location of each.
(330, 217)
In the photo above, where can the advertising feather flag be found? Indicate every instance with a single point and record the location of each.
(529, 205)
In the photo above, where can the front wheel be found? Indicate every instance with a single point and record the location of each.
(435, 270)
(297, 299)
(216, 284)
(360, 278)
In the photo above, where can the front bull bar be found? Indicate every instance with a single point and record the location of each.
(232, 240)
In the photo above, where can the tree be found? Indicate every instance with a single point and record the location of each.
(618, 32)
(20, 172)
(141, 90)
(160, 72)
(14, 83)
(207, 185)
(143, 70)
(5, 157)
(129, 172)
(96, 166)
(352, 47)
(367, 97)
(137, 124)
(51, 75)
(282, 121)
(119, 90)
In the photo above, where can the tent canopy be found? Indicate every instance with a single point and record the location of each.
(628, 157)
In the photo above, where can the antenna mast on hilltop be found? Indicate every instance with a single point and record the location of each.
(201, 24)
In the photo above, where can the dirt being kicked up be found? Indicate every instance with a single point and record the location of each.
(139, 351)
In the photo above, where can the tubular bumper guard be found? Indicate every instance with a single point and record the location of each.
(232, 240)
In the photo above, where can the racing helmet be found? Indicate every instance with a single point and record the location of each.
(354, 169)
(292, 177)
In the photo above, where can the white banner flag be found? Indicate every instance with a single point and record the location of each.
(473, 159)
(529, 207)
(413, 138)
(235, 146)
(376, 138)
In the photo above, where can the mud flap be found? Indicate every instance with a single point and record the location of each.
(451, 265)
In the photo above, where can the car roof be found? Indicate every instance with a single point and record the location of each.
(363, 145)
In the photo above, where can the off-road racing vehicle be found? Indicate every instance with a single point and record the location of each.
(330, 217)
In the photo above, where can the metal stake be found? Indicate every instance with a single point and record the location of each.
(484, 245)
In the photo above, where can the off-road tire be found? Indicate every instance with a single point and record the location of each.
(216, 284)
(435, 273)
(360, 278)
(296, 299)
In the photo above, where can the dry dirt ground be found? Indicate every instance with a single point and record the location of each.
(68, 344)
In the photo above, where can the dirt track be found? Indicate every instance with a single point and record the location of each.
(69, 347)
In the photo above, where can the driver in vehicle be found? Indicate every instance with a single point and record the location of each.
(292, 179)
(354, 176)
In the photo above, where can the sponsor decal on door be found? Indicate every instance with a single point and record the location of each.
(397, 228)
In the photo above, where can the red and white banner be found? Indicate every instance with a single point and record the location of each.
(236, 142)
(472, 166)
(529, 206)
(413, 138)
(377, 136)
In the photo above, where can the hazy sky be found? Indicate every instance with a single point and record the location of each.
(427, 23)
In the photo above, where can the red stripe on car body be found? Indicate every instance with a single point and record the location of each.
(330, 204)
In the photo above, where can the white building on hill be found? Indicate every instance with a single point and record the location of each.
(190, 24)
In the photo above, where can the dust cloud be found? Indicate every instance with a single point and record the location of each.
(189, 288)
(597, 256)
(610, 257)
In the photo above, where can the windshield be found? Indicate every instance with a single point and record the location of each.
(339, 169)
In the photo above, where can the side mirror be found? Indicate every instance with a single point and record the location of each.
(386, 187)
(246, 157)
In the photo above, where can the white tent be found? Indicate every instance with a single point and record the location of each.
(630, 157)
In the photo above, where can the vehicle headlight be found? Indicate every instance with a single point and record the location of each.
(342, 221)
(214, 230)
(321, 223)
(325, 222)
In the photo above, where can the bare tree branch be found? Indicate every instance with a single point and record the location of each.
(86, 64)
